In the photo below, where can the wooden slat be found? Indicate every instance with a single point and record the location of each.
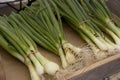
(2, 73)
(99, 70)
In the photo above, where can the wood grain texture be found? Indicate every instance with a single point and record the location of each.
(2, 73)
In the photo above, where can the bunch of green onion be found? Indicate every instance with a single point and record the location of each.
(103, 18)
(20, 45)
(76, 16)
(45, 28)
(8, 47)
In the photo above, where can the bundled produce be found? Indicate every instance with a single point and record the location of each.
(102, 17)
(75, 15)
(46, 29)
(20, 45)
(7, 46)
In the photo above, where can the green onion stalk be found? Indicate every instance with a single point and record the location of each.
(26, 46)
(79, 20)
(46, 29)
(102, 17)
(14, 52)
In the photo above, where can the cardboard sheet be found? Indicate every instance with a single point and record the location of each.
(2, 72)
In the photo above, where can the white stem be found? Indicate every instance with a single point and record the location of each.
(109, 46)
(70, 57)
(101, 45)
(76, 50)
(33, 73)
(63, 59)
(90, 43)
(95, 39)
(115, 37)
(113, 27)
(38, 66)
(71, 52)
(94, 48)
(50, 67)
(99, 54)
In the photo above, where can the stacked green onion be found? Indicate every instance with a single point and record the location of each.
(20, 45)
(75, 15)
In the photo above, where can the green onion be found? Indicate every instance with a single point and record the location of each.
(14, 52)
(103, 18)
(46, 29)
(19, 41)
(79, 20)
(26, 46)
